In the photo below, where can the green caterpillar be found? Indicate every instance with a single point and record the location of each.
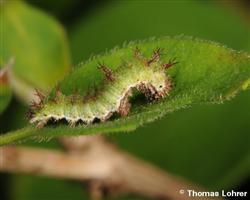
(146, 75)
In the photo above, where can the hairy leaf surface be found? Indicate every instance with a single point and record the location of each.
(207, 72)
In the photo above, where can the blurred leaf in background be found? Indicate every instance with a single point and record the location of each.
(207, 144)
(39, 46)
(5, 96)
(37, 43)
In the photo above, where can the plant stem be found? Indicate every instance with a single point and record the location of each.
(100, 164)
(17, 135)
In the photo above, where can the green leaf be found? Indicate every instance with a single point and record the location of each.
(207, 73)
(37, 43)
(5, 96)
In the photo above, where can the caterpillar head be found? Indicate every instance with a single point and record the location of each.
(160, 84)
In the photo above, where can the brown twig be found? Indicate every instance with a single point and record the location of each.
(99, 163)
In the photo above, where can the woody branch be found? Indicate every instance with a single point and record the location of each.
(100, 164)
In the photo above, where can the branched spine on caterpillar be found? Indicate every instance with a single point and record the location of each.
(146, 75)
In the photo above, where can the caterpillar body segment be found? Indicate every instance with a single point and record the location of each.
(145, 75)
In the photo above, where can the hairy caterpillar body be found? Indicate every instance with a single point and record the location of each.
(146, 75)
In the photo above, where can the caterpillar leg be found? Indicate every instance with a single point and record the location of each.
(72, 123)
(42, 123)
